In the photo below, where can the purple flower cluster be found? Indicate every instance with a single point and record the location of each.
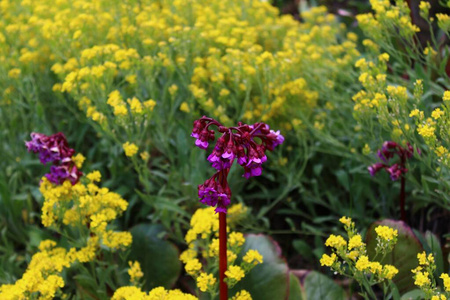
(235, 143)
(386, 153)
(55, 149)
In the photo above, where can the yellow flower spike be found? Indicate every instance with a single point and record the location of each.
(130, 149)
(327, 260)
(355, 242)
(188, 255)
(346, 221)
(135, 271)
(242, 295)
(253, 257)
(386, 233)
(422, 279)
(184, 107)
(235, 273)
(145, 156)
(446, 96)
(150, 104)
(94, 176)
(193, 266)
(446, 280)
(205, 281)
(363, 263)
(236, 239)
(335, 241)
(389, 271)
(78, 160)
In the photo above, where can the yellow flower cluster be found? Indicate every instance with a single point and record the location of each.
(424, 279)
(350, 257)
(118, 60)
(386, 238)
(159, 293)
(130, 149)
(202, 240)
(85, 206)
(42, 277)
(135, 272)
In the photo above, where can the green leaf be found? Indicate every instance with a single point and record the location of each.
(319, 286)
(413, 295)
(404, 255)
(269, 280)
(295, 289)
(158, 257)
(435, 248)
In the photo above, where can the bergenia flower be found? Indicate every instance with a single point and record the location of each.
(386, 153)
(55, 149)
(246, 143)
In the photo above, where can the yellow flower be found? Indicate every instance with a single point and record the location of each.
(235, 273)
(346, 221)
(386, 233)
(135, 271)
(437, 113)
(422, 279)
(150, 104)
(355, 242)
(327, 260)
(446, 280)
(193, 266)
(363, 263)
(130, 149)
(253, 257)
(236, 239)
(14, 73)
(94, 176)
(389, 271)
(145, 155)
(335, 241)
(242, 295)
(205, 281)
(78, 160)
(185, 107)
(414, 112)
(446, 96)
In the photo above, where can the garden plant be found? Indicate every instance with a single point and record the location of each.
(324, 163)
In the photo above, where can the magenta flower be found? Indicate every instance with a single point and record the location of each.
(55, 149)
(246, 143)
(386, 153)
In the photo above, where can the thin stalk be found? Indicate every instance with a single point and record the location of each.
(223, 255)
(402, 200)
(402, 194)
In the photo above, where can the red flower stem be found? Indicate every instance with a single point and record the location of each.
(402, 200)
(223, 288)
(402, 193)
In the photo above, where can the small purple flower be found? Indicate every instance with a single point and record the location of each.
(386, 153)
(373, 169)
(55, 149)
(247, 143)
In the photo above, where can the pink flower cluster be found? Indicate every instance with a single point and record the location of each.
(387, 152)
(55, 149)
(235, 143)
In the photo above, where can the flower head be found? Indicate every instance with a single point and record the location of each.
(55, 149)
(246, 143)
(386, 153)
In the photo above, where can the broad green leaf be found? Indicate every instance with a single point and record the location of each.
(319, 286)
(269, 280)
(413, 295)
(295, 289)
(404, 255)
(158, 257)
